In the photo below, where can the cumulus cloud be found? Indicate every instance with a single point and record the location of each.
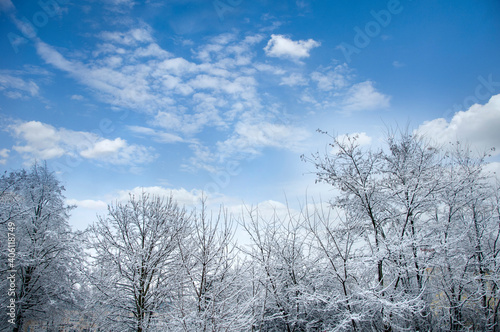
(282, 47)
(478, 126)
(104, 149)
(43, 141)
(364, 97)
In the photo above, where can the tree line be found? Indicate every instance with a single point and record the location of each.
(408, 242)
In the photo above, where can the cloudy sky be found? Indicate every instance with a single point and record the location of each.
(223, 96)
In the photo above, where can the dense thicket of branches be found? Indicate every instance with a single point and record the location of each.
(410, 241)
(45, 255)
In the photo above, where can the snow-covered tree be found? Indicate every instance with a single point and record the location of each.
(33, 208)
(424, 225)
(211, 281)
(281, 267)
(134, 260)
(356, 173)
(465, 274)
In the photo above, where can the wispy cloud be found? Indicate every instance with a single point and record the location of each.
(156, 135)
(294, 79)
(250, 138)
(6, 5)
(398, 64)
(77, 97)
(17, 87)
(332, 79)
(132, 37)
(221, 86)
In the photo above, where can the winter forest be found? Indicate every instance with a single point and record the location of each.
(408, 241)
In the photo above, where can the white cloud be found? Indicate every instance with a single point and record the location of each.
(176, 66)
(19, 85)
(4, 154)
(182, 196)
(237, 86)
(158, 136)
(88, 204)
(126, 86)
(398, 64)
(120, 79)
(6, 5)
(129, 38)
(294, 80)
(335, 79)
(282, 47)
(14, 95)
(104, 149)
(251, 138)
(187, 124)
(364, 97)
(336, 88)
(269, 68)
(77, 97)
(43, 141)
(478, 126)
(182, 97)
(266, 210)
(119, 5)
(492, 168)
(192, 199)
(152, 50)
(362, 139)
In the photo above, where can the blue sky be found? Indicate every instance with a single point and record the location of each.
(224, 96)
